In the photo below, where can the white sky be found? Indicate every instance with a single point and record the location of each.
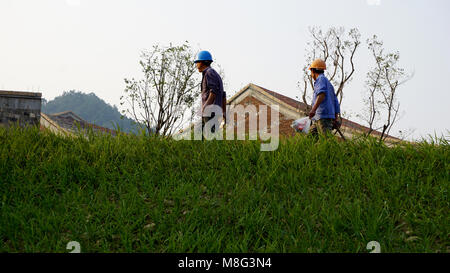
(53, 46)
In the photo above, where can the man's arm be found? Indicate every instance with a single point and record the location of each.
(210, 99)
(212, 83)
(319, 100)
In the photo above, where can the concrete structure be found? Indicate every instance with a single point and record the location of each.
(25, 108)
(21, 107)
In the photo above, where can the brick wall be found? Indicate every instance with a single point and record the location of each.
(285, 123)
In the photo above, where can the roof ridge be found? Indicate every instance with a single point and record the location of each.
(67, 112)
(83, 123)
(282, 97)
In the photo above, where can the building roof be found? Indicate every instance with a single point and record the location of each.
(68, 121)
(47, 123)
(67, 114)
(20, 94)
(287, 100)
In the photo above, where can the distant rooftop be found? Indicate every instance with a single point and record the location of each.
(5, 93)
(71, 121)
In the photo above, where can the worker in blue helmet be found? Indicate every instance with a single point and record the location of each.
(211, 89)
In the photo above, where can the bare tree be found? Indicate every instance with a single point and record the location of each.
(374, 83)
(337, 48)
(382, 84)
(168, 89)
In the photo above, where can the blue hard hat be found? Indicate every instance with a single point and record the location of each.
(203, 56)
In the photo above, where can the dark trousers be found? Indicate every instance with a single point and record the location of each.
(322, 126)
(204, 121)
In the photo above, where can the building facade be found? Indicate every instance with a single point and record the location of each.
(23, 108)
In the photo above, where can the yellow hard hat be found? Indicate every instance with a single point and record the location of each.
(318, 64)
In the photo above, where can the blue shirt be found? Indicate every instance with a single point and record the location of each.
(330, 105)
(211, 82)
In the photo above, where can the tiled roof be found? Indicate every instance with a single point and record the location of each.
(67, 113)
(359, 127)
(290, 101)
(69, 121)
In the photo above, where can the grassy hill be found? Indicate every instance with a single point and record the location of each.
(145, 194)
(91, 108)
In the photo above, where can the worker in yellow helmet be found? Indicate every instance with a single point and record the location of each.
(325, 106)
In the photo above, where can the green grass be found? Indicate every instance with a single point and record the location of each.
(143, 194)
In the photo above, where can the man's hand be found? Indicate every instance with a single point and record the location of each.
(312, 113)
(209, 101)
(337, 122)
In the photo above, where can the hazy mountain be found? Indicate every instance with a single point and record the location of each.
(89, 107)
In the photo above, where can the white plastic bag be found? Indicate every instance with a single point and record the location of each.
(301, 125)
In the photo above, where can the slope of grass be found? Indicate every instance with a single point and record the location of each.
(141, 194)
